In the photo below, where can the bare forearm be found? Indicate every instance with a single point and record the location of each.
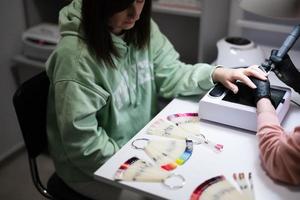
(264, 105)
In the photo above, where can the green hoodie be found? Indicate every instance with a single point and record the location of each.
(93, 109)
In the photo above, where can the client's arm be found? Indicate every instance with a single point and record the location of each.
(280, 152)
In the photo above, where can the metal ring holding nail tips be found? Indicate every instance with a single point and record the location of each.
(198, 139)
(139, 139)
(174, 186)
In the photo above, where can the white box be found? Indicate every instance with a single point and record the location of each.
(39, 41)
(224, 110)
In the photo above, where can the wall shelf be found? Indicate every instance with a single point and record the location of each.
(169, 9)
(263, 30)
(23, 60)
(264, 26)
(25, 68)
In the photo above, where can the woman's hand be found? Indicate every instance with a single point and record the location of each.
(228, 76)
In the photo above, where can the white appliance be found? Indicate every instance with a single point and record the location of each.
(39, 41)
(238, 52)
(222, 106)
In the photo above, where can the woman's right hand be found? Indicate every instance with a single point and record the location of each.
(228, 76)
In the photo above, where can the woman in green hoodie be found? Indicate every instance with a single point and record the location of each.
(105, 75)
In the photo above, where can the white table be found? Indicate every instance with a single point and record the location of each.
(240, 154)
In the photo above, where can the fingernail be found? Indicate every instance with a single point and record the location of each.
(235, 90)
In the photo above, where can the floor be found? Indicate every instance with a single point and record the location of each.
(16, 183)
(15, 179)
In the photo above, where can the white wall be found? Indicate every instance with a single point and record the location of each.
(12, 24)
(175, 28)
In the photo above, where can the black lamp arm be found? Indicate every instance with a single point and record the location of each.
(283, 50)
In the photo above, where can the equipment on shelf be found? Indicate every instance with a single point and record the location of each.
(39, 41)
(238, 52)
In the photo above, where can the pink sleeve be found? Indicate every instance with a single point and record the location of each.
(280, 152)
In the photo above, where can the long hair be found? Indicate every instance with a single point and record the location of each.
(95, 17)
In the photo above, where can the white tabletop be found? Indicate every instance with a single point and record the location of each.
(240, 154)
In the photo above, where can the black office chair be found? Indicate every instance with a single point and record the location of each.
(30, 102)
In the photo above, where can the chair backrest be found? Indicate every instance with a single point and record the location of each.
(30, 102)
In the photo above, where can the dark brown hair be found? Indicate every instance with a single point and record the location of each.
(95, 16)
